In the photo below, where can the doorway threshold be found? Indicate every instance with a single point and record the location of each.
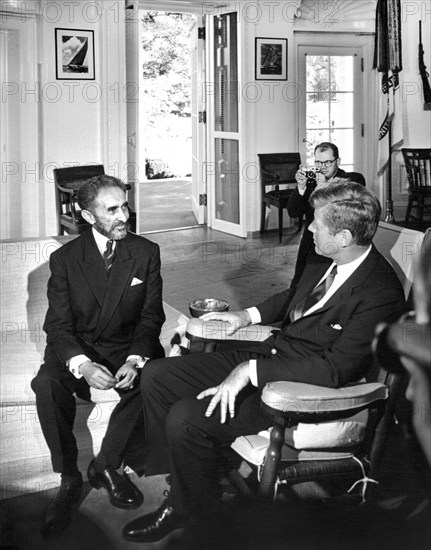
(171, 229)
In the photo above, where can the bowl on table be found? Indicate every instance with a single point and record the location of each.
(207, 305)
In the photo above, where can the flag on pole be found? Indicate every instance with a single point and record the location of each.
(388, 61)
(390, 115)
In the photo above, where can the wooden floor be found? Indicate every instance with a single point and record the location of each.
(165, 204)
(201, 263)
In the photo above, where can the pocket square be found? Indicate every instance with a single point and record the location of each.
(336, 327)
(136, 281)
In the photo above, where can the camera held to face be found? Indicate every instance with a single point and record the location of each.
(311, 177)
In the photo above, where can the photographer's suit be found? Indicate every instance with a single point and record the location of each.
(107, 318)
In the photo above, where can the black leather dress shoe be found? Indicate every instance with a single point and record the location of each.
(59, 511)
(153, 527)
(122, 493)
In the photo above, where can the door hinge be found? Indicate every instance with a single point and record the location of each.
(362, 64)
(202, 117)
(363, 130)
(203, 199)
(201, 33)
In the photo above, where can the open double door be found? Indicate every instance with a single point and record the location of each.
(216, 146)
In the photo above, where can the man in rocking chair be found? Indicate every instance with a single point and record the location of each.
(197, 404)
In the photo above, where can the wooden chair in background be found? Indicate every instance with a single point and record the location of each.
(277, 169)
(67, 182)
(418, 166)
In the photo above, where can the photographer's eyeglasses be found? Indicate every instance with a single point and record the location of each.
(326, 163)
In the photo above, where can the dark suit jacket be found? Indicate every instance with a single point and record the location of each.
(331, 346)
(93, 314)
(299, 205)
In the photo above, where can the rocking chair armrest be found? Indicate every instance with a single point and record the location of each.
(275, 177)
(309, 403)
(215, 331)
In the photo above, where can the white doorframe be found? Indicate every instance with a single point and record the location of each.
(135, 157)
(22, 201)
(199, 127)
(239, 229)
(200, 211)
(366, 162)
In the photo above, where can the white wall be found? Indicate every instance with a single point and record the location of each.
(20, 182)
(70, 108)
(78, 121)
(86, 121)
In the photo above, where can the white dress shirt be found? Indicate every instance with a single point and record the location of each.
(343, 273)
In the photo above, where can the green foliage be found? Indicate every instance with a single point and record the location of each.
(157, 169)
(165, 100)
(166, 64)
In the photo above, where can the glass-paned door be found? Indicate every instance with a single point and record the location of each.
(135, 157)
(331, 104)
(226, 208)
(227, 182)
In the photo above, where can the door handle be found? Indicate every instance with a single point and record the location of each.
(131, 140)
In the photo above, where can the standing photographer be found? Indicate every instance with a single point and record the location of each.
(327, 170)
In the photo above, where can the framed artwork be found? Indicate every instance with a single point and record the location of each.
(271, 58)
(74, 54)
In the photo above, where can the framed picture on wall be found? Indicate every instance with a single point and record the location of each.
(74, 54)
(271, 58)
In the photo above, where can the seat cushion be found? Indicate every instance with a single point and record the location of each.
(252, 448)
(328, 440)
(346, 433)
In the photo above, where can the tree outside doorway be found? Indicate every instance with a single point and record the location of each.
(166, 94)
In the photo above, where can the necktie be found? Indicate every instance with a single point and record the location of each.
(316, 295)
(108, 255)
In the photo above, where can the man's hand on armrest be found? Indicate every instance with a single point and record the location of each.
(235, 319)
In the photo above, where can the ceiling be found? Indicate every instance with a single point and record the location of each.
(346, 9)
(190, 6)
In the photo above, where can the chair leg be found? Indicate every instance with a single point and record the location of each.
(420, 209)
(280, 224)
(300, 219)
(262, 217)
(409, 210)
(272, 459)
